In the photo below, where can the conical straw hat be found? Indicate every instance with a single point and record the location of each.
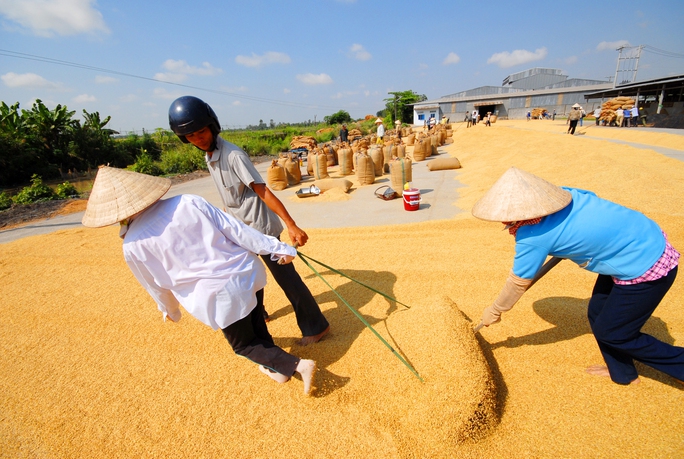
(519, 195)
(118, 194)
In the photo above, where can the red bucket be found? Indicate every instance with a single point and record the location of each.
(411, 199)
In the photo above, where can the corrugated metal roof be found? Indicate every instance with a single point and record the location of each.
(632, 88)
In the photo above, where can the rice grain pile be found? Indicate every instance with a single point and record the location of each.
(90, 370)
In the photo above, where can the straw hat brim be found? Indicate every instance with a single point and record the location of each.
(519, 195)
(378, 121)
(118, 194)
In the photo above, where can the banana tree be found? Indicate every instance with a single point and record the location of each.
(54, 128)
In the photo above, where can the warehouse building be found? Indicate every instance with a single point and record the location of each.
(519, 93)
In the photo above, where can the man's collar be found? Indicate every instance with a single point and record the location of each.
(216, 154)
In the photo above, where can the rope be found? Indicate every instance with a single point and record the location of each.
(356, 313)
(302, 256)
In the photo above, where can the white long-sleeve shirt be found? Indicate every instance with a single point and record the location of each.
(185, 251)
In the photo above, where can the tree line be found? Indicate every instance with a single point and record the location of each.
(51, 143)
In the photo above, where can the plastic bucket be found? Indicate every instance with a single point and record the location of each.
(411, 199)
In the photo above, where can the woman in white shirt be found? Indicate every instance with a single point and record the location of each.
(184, 251)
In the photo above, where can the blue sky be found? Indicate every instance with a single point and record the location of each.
(292, 61)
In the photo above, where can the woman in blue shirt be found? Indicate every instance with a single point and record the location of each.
(635, 263)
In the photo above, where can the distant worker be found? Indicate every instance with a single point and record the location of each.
(635, 116)
(380, 132)
(443, 120)
(344, 133)
(620, 117)
(573, 118)
(469, 119)
(433, 122)
(397, 123)
(597, 115)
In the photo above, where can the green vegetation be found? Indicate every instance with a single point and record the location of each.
(38, 191)
(340, 117)
(49, 143)
(5, 201)
(398, 107)
(66, 190)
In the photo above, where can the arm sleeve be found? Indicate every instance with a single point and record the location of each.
(511, 292)
(245, 236)
(166, 301)
(244, 169)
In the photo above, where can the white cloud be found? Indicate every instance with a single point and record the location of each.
(519, 56)
(82, 98)
(237, 103)
(270, 57)
(452, 58)
(287, 90)
(61, 17)
(366, 93)
(171, 77)
(311, 79)
(183, 67)
(128, 98)
(163, 93)
(570, 60)
(28, 81)
(611, 45)
(359, 52)
(178, 71)
(336, 96)
(105, 79)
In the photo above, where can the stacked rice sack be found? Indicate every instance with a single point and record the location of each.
(538, 113)
(609, 107)
(303, 141)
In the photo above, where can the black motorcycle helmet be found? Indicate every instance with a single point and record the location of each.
(189, 114)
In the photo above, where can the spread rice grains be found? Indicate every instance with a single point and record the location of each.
(90, 370)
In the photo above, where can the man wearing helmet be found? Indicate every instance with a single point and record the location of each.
(246, 197)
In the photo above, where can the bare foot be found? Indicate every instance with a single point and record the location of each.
(602, 370)
(274, 375)
(305, 341)
(307, 369)
(598, 370)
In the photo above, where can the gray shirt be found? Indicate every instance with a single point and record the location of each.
(233, 173)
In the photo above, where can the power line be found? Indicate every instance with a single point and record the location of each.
(662, 52)
(49, 60)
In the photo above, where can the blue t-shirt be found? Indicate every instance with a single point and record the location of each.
(598, 235)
